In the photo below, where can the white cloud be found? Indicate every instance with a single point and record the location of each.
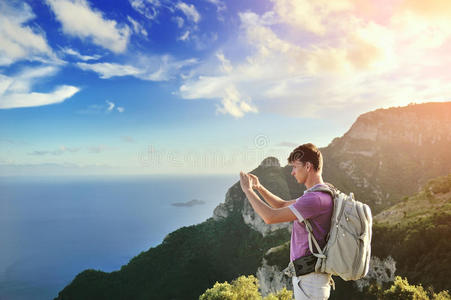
(233, 102)
(189, 10)
(15, 91)
(106, 108)
(80, 20)
(179, 21)
(137, 27)
(220, 5)
(77, 54)
(111, 105)
(319, 58)
(108, 70)
(157, 68)
(184, 36)
(148, 8)
(226, 65)
(312, 16)
(19, 41)
(61, 150)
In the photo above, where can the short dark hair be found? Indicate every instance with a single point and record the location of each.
(307, 153)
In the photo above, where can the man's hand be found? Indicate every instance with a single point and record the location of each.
(245, 182)
(255, 182)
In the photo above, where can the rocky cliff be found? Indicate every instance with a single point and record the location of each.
(390, 153)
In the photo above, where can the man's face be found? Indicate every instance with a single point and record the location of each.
(299, 171)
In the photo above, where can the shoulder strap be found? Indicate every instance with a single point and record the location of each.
(311, 238)
(327, 188)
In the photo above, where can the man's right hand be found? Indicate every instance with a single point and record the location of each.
(255, 182)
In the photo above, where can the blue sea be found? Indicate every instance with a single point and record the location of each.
(52, 228)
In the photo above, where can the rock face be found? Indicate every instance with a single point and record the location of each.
(251, 218)
(273, 177)
(272, 279)
(270, 162)
(381, 270)
(390, 153)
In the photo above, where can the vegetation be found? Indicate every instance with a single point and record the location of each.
(242, 288)
(191, 259)
(402, 290)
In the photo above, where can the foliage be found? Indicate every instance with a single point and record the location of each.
(402, 290)
(243, 287)
(194, 257)
(279, 256)
(419, 247)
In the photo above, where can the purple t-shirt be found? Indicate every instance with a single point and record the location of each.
(318, 208)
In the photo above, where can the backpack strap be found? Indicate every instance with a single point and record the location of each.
(311, 238)
(327, 188)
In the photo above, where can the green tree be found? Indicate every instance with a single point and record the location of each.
(242, 288)
(402, 290)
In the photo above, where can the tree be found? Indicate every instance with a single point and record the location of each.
(401, 289)
(242, 288)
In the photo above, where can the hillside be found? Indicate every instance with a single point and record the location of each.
(416, 234)
(380, 159)
(433, 199)
(390, 153)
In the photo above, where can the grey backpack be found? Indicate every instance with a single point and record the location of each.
(348, 247)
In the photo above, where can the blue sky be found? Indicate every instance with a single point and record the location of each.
(206, 86)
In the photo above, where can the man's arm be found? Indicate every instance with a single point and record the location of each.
(268, 214)
(269, 197)
(272, 199)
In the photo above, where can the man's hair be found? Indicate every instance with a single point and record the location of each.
(307, 153)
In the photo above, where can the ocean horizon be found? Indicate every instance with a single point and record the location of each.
(53, 228)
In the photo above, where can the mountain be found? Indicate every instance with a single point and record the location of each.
(386, 155)
(390, 153)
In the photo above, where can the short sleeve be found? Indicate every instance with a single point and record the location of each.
(308, 206)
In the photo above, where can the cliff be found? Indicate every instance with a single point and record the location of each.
(390, 153)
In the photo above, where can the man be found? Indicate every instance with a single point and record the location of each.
(307, 162)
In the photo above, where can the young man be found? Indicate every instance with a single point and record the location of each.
(317, 207)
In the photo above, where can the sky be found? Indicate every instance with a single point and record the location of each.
(205, 86)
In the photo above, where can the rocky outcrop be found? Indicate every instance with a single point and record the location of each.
(381, 271)
(252, 219)
(272, 176)
(272, 279)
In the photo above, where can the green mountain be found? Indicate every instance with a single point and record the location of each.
(386, 155)
(416, 234)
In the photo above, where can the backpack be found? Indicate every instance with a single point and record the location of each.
(348, 247)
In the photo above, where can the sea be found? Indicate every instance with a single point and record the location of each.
(52, 228)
